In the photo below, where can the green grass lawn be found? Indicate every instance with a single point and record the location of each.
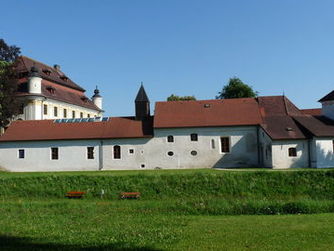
(73, 224)
(179, 210)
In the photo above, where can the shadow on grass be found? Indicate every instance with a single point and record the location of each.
(18, 243)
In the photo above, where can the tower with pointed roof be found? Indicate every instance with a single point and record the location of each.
(142, 104)
(97, 98)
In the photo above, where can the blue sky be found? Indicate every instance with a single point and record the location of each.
(178, 46)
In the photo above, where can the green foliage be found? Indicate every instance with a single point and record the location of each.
(180, 98)
(236, 89)
(9, 105)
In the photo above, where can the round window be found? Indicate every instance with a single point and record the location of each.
(170, 153)
(193, 153)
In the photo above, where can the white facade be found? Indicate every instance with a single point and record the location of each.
(35, 110)
(322, 153)
(328, 109)
(140, 153)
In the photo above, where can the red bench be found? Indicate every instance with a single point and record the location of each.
(74, 195)
(128, 195)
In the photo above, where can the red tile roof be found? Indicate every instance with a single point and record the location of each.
(207, 113)
(328, 97)
(313, 112)
(65, 91)
(116, 127)
(276, 113)
(318, 126)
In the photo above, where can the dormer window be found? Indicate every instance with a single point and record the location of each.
(51, 89)
(64, 78)
(47, 71)
(84, 99)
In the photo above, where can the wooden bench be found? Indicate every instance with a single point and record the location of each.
(74, 195)
(128, 195)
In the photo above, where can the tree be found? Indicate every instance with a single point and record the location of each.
(236, 89)
(9, 106)
(180, 98)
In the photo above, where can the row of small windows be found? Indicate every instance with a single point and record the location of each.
(55, 112)
(193, 137)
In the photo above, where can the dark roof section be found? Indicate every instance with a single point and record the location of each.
(276, 112)
(328, 97)
(207, 113)
(313, 112)
(142, 96)
(116, 127)
(318, 126)
(23, 64)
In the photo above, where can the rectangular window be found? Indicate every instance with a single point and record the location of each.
(131, 151)
(225, 144)
(292, 152)
(73, 114)
(81, 114)
(54, 153)
(65, 113)
(88, 115)
(170, 138)
(55, 111)
(45, 109)
(21, 154)
(194, 137)
(90, 152)
(21, 109)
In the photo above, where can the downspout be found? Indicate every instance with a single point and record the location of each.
(101, 155)
(258, 147)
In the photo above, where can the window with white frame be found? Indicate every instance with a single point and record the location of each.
(21, 154)
(90, 152)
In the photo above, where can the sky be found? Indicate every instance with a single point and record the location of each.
(181, 47)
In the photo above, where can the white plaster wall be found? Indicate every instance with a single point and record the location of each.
(243, 148)
(72, 156)
(141, 155)
(328, 109)
(35, 85)
(280, 154)
(265, 149)
(324, 152)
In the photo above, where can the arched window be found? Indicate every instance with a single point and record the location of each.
(117, 152)
(170, 138)
(194, 137)
(292, 152)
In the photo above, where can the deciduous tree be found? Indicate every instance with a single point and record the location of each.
(236, 89)
(180, 98)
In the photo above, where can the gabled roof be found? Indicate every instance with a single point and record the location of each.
(207, 113)
(116, 127)
(142, 96)
(276, 112)
(23, 65)
(54, 85)
(328, 97)
(318, 126)
(313, 111)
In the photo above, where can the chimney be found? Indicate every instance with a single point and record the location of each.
(57, 67)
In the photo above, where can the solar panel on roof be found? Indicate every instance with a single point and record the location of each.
(105, 118)
(84, 120)
(91, 120)
(63, 120)
(76, 120)
(57, 121)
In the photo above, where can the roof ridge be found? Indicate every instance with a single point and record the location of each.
(36, 61)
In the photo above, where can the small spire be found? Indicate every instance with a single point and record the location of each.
(142, 96)
(34, 71)
(96, 93)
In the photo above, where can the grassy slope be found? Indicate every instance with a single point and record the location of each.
(108, 225)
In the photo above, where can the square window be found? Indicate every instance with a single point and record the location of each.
(54, 153)
(292, 152)
(194, 137)
(170, 138)
(225, 144)
(21, 154)
(90, 152)
(131, 151)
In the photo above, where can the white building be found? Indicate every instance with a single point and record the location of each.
(248, 132)
(47, 93)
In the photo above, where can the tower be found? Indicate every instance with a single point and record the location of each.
(35, 81)
(142, 104)
(97, 98)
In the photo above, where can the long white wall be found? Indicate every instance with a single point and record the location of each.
(265, 149)
(148, 153)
